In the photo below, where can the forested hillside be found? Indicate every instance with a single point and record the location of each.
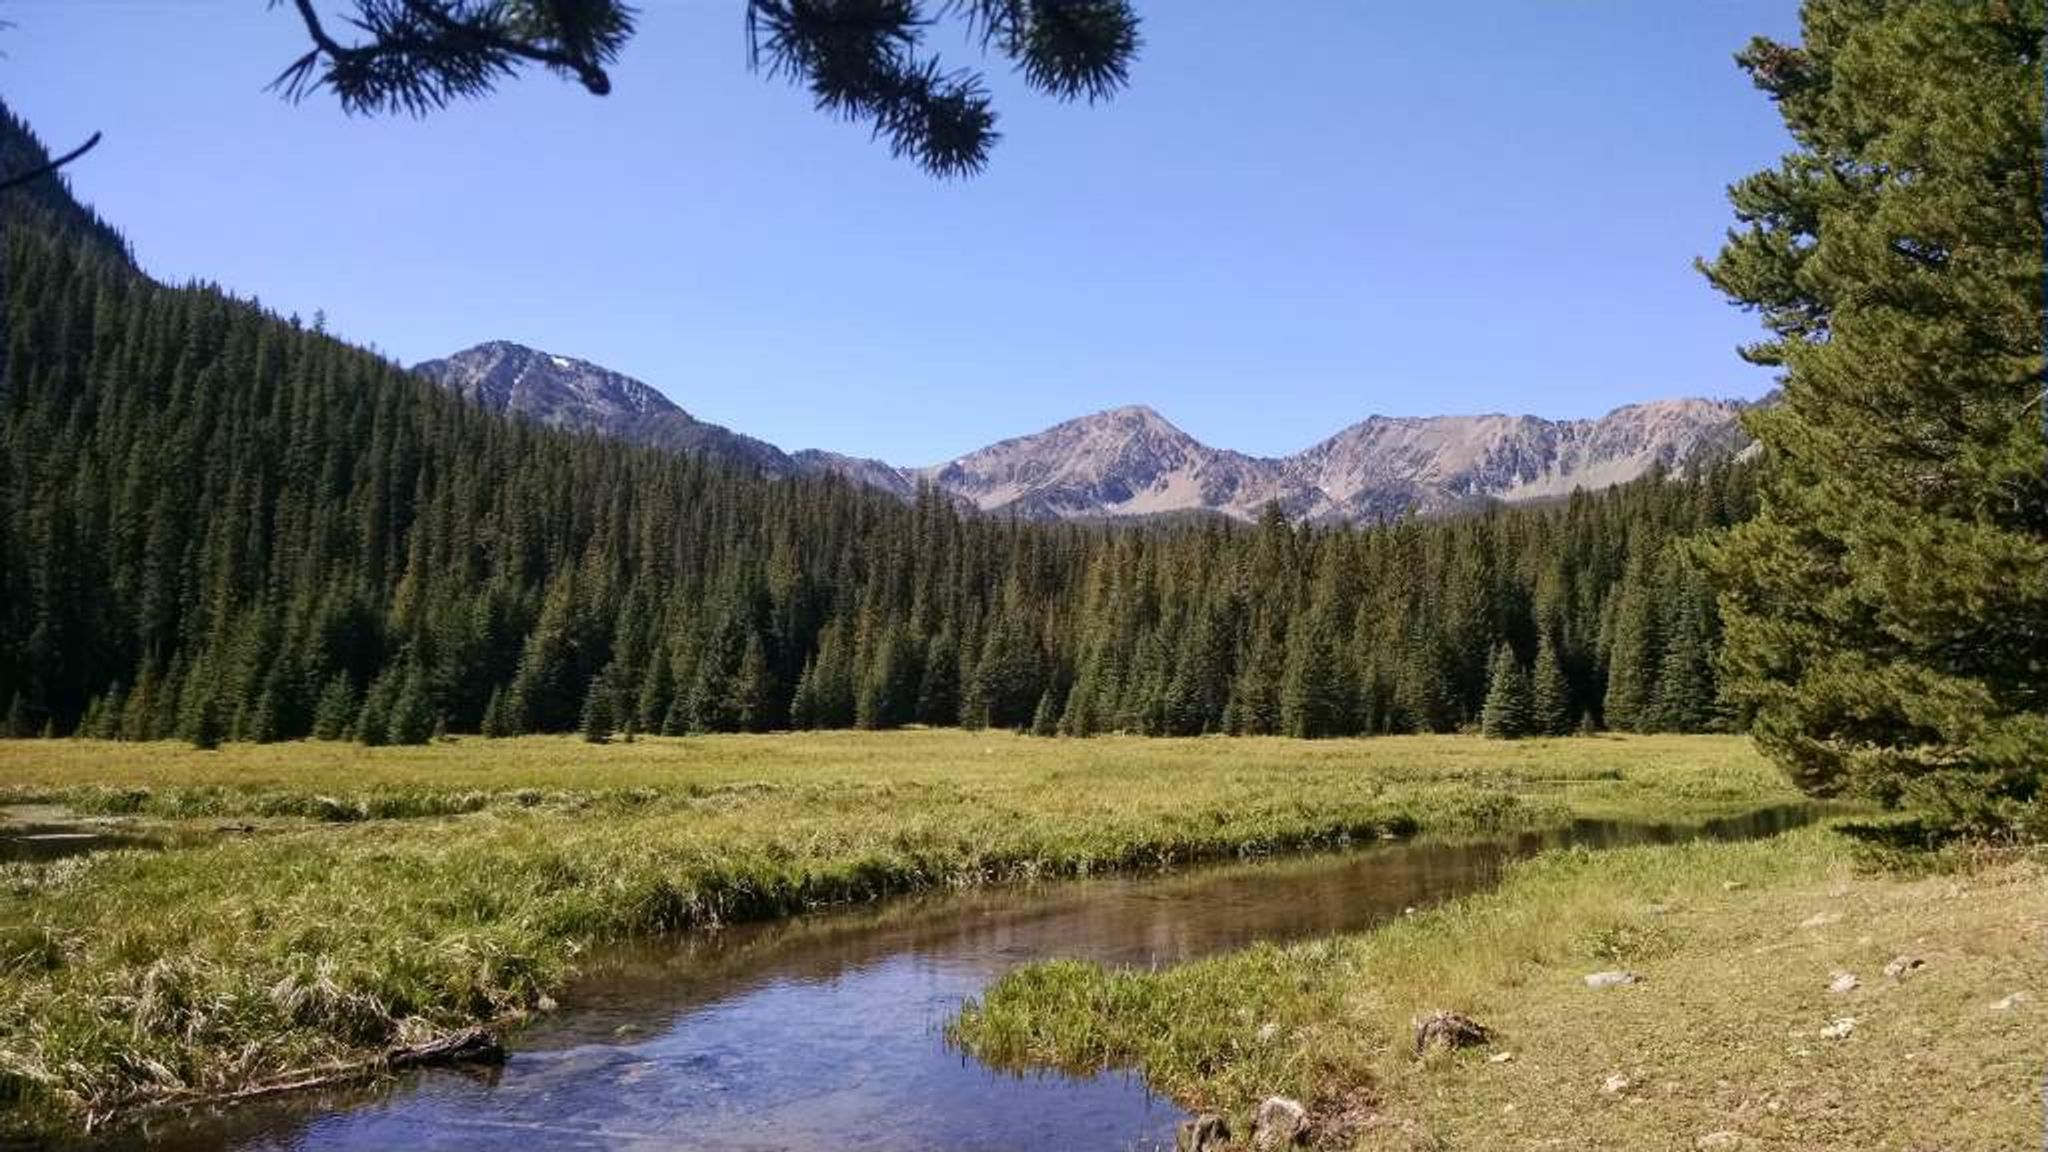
(216, 523)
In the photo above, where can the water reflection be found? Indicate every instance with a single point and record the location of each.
(826, 1031)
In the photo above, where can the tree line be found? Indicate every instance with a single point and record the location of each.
(221, 524)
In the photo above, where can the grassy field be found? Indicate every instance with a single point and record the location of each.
(1722, 1045)
(315, 904)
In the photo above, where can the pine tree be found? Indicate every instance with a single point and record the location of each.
(1508, 713)
(412, 713)
(600, 715)
(1685, 676)
(1045, 719)
(1635, 650)
(1314, 698)
(753, 700)
(1550, 709)
(938, 692)
(1883, 612)
(497, 721)
(373, 723)
(207, 728)
(335, 710)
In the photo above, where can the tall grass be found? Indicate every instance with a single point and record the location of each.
(383, 896)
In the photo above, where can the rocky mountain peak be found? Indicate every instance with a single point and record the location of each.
(1133, 461)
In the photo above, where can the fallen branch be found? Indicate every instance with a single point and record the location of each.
(477, 1045)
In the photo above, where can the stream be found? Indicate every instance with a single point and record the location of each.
(827, 1031)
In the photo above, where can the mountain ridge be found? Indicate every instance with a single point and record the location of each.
(1130, 461)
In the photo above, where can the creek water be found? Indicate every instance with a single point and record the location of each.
(828, 1031)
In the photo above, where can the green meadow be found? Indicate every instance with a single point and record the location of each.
(304, 907)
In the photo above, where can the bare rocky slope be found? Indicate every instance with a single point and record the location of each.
(1134, 462)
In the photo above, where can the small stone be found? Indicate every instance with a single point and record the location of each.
(1447, 1030)
(1611, 979)
(627, 1030)
(1616, 1084)
(1732, 885)
(1717, 1141)
(2008, 1003)
(1205, 1133)
(1820, 919)
(1279, 1123)
(1902, 966)
(1500, 1057)
(1843, 982)
(1840, 1029)
(1267, 1032)
(545, 1004)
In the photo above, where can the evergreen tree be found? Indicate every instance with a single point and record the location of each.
(1635, 649)
(600, 716)
(1045, 719)
(1550, 709)
(207, 729)
(497, 721)
(1509, 711)
(412, 714)
(1685, 677)
(1314, 700)
(373, 723)
(336, 708)
(938, 692)
(753, 703)
(1885, 609)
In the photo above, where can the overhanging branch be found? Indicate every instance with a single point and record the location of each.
(47, 169)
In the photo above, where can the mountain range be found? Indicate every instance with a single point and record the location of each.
(1131, 461)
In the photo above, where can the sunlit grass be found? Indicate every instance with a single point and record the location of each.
(1736, 944)
(363, 897)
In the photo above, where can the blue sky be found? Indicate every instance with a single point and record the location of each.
(1298, 215)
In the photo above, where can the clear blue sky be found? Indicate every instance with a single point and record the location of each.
(1298, 215)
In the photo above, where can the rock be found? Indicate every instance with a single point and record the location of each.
(1500, 1057)
(1616, 1084)
(1902, 966)
(1840, 1029)
(1718, 1141)
(1447, 1030)
(1267, 1032)
(1820, 919)
(2008, 1003)
(1732, 885)
(627, 1030)
(1205, 1133)
(545, 1004)
(1279, 1123)
(1611, 979)
(1843, 982)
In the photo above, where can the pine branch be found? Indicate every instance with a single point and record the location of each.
(17, 181)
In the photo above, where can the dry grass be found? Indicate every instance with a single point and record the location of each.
(1720, 1044)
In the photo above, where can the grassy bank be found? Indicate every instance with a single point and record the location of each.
(1721, 1044)
(315, 904)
